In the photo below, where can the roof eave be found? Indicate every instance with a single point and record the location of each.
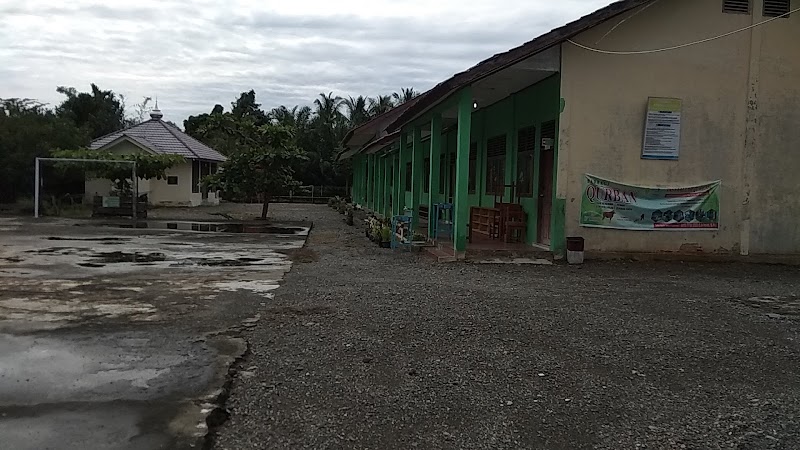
(500, 61)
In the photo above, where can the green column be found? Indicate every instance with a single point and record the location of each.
(436, 151)
(356, 179)
(460, 196)
(373, 185)
(403, 152)
(381, 185)
(417, 179)
(398, 187)
(376, 185)
(367, 181)
(362, 182)
(387, 188)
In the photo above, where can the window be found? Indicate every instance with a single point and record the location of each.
(496, 165)
(775, 8)
(426, 176)
(213, 168)
(173, 180)
(408, 177)
(473, 167)
(736, 6)
(526, 147)
(195, 176)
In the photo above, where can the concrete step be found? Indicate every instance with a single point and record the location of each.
(440, 255)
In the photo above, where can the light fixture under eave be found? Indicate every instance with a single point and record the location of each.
(475, 105)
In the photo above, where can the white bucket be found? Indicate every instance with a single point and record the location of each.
(575, 257)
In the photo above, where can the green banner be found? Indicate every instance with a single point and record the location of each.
(608, 204)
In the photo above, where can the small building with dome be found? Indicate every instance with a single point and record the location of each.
(181, 187)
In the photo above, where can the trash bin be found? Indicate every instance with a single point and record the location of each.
(575, 250)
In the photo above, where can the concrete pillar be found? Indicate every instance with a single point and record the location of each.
(460, 196)
(417, 179)
(401, 171)
(396, 186)
(367, 181)
(387, 188)
(435, 155)
(379, 185)
(373, 184)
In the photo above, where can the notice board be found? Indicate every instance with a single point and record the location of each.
(662, 130)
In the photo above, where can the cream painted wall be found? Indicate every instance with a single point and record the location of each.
(601, 127)
(774, 202)
(158, 191)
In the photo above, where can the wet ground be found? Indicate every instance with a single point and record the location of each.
(121, 337)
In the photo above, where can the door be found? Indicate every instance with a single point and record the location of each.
(546, 160)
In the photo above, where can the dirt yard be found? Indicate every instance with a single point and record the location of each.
(370, 348)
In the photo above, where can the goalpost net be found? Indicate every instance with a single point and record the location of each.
(39, 181)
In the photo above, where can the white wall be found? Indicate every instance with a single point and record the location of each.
(159, 191)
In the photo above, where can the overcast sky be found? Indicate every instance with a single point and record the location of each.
(193, 54)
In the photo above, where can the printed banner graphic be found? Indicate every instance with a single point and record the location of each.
(608, 204)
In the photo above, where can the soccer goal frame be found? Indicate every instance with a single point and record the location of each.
(37, 177)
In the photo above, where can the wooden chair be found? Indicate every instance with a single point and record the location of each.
(516, 225)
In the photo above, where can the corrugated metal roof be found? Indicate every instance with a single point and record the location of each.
(161, 138)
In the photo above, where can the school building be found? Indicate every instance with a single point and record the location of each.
(647, 126)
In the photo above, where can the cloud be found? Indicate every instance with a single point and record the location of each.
(194, 54)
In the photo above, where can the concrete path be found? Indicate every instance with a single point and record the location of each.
(118, 338)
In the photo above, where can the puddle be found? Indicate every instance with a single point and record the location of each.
(787, 305)
(98, 239)
(254, 286)
(215, 227)
(133, 257)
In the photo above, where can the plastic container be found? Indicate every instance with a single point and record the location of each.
(575, 247)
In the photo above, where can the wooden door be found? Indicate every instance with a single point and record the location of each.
(546, 160)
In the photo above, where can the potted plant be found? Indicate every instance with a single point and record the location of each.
(348, 216)
(386, 236)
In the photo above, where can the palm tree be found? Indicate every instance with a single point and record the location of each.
(357, 112)
(328, 107)
(380, 104)
(405, 95)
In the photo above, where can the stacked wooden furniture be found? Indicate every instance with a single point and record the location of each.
(513, 220)
(485, 221)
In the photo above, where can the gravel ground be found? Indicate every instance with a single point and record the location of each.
(370, 348)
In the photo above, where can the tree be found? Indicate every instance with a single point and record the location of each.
(261, 168)
(357, 113)
(246, 106)
(97, 112)
(28, 129)
(148, 165)
(405, 95)
(380, 105)
(141, 110)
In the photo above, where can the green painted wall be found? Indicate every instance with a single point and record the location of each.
(535, 105)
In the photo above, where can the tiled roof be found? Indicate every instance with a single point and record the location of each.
(162, 138)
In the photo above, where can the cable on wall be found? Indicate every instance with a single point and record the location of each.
(676, 47)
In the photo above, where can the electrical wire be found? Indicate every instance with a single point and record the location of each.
(676, 47)
(639, 11)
